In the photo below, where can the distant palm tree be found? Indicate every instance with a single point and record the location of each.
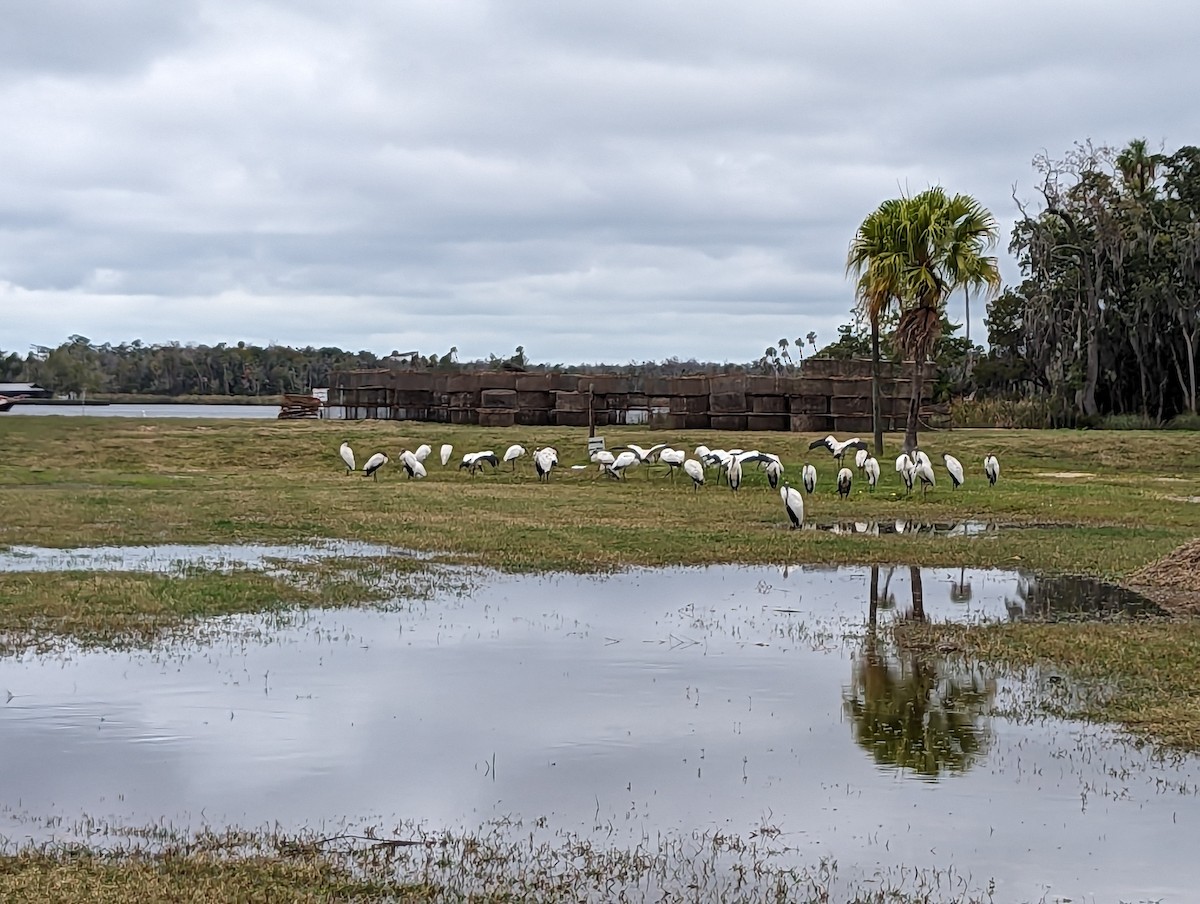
(917, 252)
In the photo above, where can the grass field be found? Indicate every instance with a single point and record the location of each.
(1095, 503)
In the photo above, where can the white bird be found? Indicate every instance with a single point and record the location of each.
(348, 457)
(701, 451)
(905, 468)
(474, 461)
(623, 462)
(412, 465)
(604, 459)
(924, 473)
(808, 476)
(954, 466)
(374, 463)
(422, 452)
(991, 467)
(447, 451)
(871, 469)
(735, 473)
(793, 504)
(774, 471)
(844, 478)
(838, 449)
(673, 459)
(919, 458)
(544, 461)
(694, 470)
(860, 458)
(513, 452)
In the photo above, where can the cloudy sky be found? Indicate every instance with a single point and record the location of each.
(607, 181)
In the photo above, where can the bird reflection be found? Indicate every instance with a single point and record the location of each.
(911, 712)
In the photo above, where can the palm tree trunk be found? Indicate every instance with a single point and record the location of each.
(914, 404)
(876, 416)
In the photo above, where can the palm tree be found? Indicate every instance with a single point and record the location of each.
(873, 261)
(917, 252)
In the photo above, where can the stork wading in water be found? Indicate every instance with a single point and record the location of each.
(844, 478)
(348, 457)
(954, 468)
(374, 463)
(793, 504)
(991, 467)
(808, 477)
(694, 470)
(836, 448)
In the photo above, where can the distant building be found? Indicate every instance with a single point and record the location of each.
(32, 390)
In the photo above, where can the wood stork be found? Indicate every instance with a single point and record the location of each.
(544, 461)
(734, 475)
(991, 467)
(512, 453)
(838, 449)
(924, 473)
(793, 504)
(447, 452)
(412, 465)
(604, 459)
(905, 468)
(374, 463)
(348, 457)
(774, 470)
(844, 478)
(422, 452)
(919, 458)
(624, 462)
(694, 470)
(860, 458)
(474, 461)
(871, 469)
(955, 469)
(673, 459)
(808, 476)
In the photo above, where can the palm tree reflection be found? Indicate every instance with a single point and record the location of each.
(911, 712)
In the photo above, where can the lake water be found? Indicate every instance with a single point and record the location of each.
(620, 708)
(147, 411)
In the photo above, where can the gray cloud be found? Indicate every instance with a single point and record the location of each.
(486, 175)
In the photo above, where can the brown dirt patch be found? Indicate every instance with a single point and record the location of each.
(1172, 581)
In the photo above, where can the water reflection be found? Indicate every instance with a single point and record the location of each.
(883, 528)
(911, 712)
(1067, 596)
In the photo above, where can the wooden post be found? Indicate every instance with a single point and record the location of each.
(591, 410)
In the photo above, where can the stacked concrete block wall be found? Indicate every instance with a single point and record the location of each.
(825, 396)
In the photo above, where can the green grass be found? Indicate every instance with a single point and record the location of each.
(80, 482)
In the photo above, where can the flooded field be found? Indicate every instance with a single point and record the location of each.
(684, 703)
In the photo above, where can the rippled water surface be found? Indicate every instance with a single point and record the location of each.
(621, 707)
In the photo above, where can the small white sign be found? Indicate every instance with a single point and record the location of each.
(595, 444)
(321, 395)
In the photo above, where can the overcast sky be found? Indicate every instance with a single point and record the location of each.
(595, 181)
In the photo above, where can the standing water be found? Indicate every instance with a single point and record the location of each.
(739, 701)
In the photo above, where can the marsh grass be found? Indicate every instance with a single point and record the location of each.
(1138, 674)
(42, 611)
(1101, 504)
(504, 862)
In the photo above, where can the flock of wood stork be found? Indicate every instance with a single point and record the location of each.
(913, 467)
